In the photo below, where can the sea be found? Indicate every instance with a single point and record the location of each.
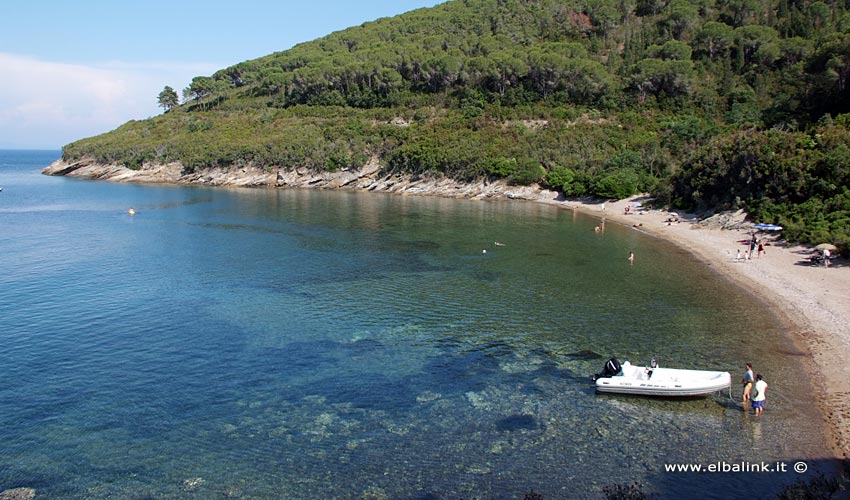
(309, 344)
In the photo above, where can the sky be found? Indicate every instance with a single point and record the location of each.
(70, 70)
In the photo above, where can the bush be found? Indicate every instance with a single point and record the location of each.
(566, 180)
(500, 167)
(618, 184)
(527, 172)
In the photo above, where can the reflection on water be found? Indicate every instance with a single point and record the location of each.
(297, 344)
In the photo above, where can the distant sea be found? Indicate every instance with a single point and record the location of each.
(265, 344)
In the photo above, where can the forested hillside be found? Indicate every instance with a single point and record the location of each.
(710, 104)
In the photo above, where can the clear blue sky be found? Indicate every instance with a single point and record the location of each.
(74, 69)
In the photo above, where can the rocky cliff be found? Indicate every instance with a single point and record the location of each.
(368, 178)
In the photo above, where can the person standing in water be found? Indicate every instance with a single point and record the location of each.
(632, 258)
(759, 396)
(747, 382)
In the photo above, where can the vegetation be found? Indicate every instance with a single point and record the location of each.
(168, 98)
(711, 104)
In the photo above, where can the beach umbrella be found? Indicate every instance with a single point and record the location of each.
(768, 227)
(826, 246)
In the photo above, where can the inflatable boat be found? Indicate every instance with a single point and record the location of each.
(656, 381)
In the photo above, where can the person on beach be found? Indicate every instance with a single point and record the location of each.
(761, 249)
(758, 395)
(738, 256)
(747, 382)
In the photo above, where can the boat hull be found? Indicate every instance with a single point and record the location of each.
(668, 382)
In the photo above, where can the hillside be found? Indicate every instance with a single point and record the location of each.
(710, 104)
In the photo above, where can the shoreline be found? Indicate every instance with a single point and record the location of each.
(811, 299)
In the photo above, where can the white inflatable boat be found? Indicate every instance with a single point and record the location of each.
(655, 381)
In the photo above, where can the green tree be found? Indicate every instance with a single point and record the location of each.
(546, 71)
(830, 70)
(682, 15)
(168, 99)
(738, 12)
(674, 50)
(655, 76)
(273, 83)
(508, 71)
(714, 39)
(756, 43)
(585, 81)
(201, 87)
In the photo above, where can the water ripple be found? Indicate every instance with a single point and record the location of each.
(292, 344)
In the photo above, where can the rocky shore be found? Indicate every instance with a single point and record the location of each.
(368, 178)
(813, 299)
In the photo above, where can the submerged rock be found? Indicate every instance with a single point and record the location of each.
(232, 492)
(498, 447)
(374, 493)
(192, 484)
(428, 396)
(521, 366)
(18, 494)
(478, 401)
(478, 469)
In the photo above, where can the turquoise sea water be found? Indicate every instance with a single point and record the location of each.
(227, 343)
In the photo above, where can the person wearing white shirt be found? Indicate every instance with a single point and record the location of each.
(759, 394)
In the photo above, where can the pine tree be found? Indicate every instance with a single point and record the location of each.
(167, 99)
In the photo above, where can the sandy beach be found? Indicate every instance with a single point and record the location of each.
(814, 299)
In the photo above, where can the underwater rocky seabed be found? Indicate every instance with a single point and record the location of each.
(311, 344)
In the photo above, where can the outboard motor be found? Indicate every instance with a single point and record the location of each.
(611, 368)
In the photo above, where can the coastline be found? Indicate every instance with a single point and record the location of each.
(812, 299)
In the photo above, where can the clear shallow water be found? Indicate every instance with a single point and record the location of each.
(309, 344)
